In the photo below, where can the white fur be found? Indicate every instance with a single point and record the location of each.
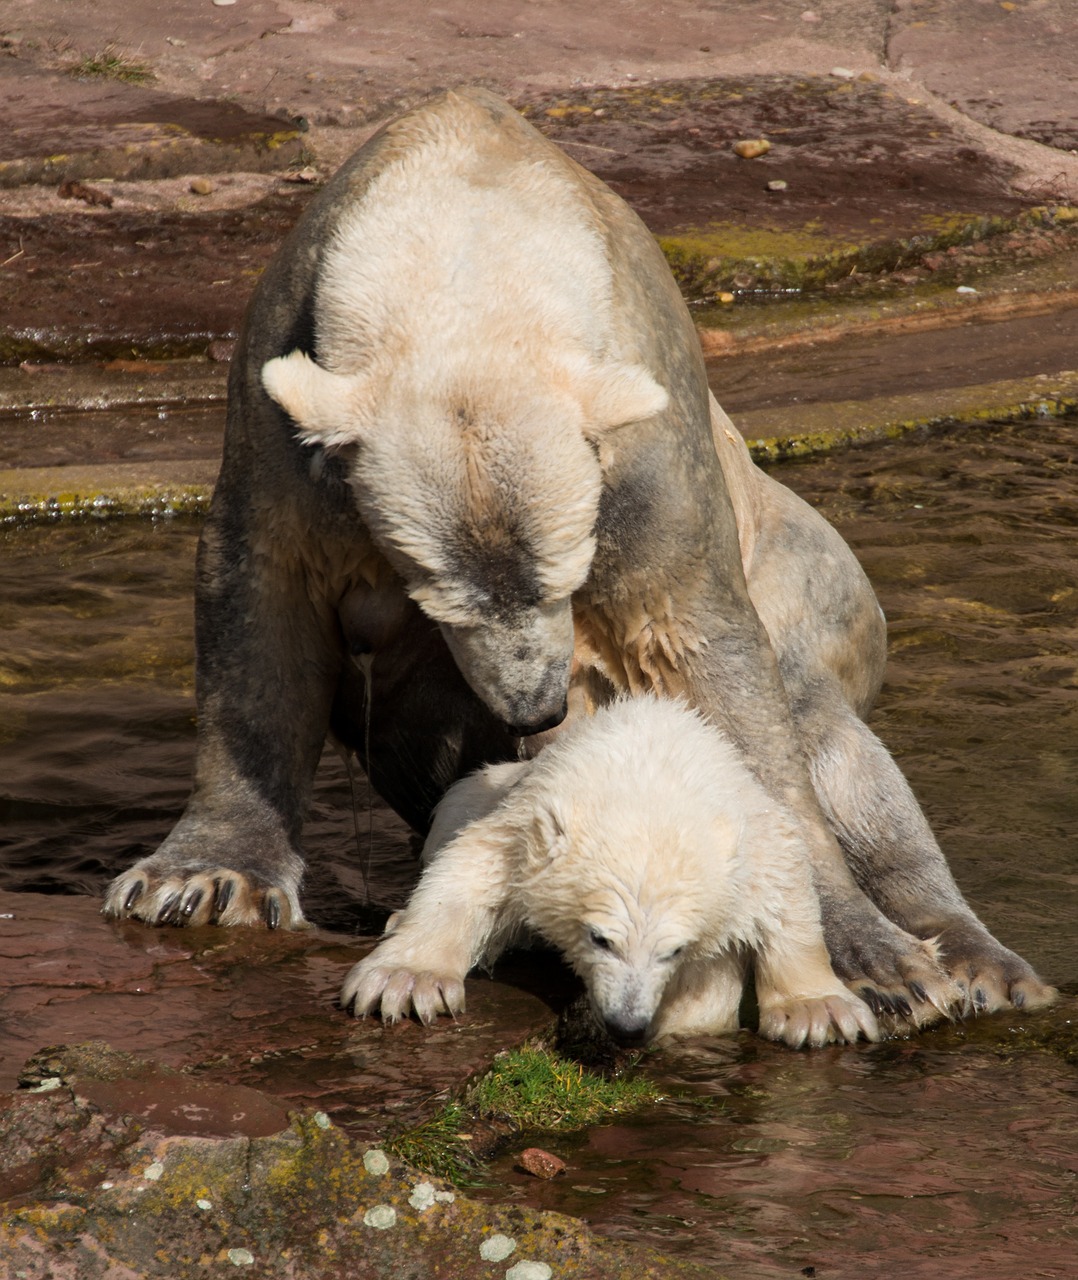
(640, 846)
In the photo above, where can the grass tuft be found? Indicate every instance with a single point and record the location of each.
(110, 64)
(526, 1088)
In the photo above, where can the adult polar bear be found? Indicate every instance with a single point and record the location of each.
(469, 443)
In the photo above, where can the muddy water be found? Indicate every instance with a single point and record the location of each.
(97, 722)
(952, 1155)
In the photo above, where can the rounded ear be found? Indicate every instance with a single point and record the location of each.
(327, 407)
(615, 393)
(551, 832)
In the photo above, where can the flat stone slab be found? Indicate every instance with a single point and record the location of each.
(237, 1007)
(1007, 63)
(55, 127)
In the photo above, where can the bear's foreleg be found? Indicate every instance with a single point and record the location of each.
(268, 660)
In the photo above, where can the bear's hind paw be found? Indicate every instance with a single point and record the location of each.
(836, 1018)
(398, 992)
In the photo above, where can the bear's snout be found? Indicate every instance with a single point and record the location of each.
(627, 1032)
(539, 726)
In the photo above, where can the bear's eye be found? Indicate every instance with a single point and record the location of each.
(600, 940)
(673, 955)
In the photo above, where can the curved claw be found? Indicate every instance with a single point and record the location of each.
(133, 894)
(168, 909)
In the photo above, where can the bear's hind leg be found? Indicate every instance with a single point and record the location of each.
(896, 860)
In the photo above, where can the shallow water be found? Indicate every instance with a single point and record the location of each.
(951, 1155)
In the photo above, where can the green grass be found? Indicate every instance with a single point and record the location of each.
(530, 1088)
(110, 64)
(534, 1088)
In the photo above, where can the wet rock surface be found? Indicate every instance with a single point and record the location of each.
(90, 1184)
(249, 1008)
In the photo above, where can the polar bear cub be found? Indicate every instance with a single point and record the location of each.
(639, 845)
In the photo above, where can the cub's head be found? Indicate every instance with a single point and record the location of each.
(481, 487)
(629, 897)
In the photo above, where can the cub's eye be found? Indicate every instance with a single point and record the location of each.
(599, 940)
(675, 954)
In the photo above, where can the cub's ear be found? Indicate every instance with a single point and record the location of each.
(552, 832)
(615, 393)
(327, 407)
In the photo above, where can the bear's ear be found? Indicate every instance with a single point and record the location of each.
(552, 832)
(327, 407)
(616, 393)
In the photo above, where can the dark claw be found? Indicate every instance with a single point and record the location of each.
(223, 895)
(980, 1000)
(192, 904)
(871, 997)
(903, 1007)
(272, 912)
(133, 895)
(1019, 999)
(918, 992)
(168, 908)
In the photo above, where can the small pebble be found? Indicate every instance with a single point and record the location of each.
(201, 186)
(726, 298)
(222, 4)
(810, 15)
(843, 73)
(529, 1271)
(541, 1163)
(381, 1217)
(240, 1257)
(776, 184)
(322, 1120)
(495, 1248)
(376, 1162)
(153, 1172)
(750, 148)
(965, 288)
(204, 1204)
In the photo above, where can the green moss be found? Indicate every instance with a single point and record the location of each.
(722, 256)
(534, 1088)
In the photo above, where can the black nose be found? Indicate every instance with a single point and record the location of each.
(629, 1035)
(540, 726)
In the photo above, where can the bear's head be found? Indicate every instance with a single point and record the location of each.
(481, 488)
(633, 840)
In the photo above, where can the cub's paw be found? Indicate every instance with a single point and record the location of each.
(193, 896)
(990, 976)
(395, 991)
(834, 1018)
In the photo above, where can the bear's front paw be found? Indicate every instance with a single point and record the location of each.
(836, 1018)
(396, 991)
(191, 897)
